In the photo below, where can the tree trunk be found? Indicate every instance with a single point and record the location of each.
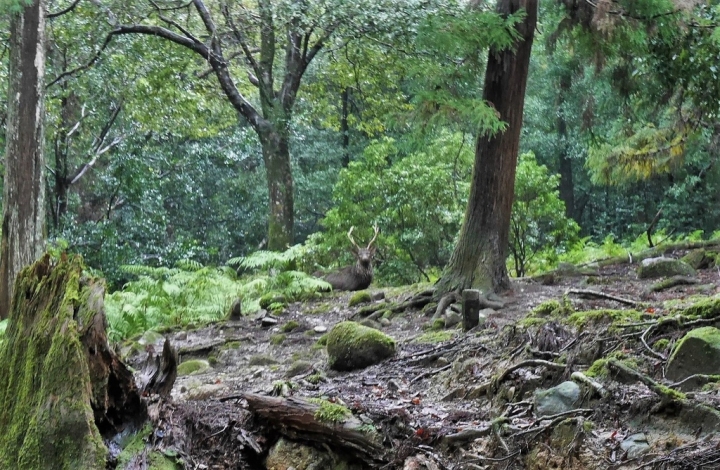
(344, 128)
(567, 187)
(478, 260)
(23, 227)
(281, 219)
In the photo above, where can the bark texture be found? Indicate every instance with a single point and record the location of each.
(61, 386)
(23, 226)
(478, 260)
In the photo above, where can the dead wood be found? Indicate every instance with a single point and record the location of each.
(298, 419)
(601, 295)
(159, 371)
(418, 301)
(672, 282)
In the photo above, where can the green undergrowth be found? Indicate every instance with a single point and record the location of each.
(434, 337)
(192, 294)
(330, 412)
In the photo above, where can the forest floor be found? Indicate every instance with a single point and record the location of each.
(467, 401)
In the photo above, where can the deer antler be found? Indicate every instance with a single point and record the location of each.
(351, 238)
(377, 230)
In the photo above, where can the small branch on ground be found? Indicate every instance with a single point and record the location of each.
(601, 295)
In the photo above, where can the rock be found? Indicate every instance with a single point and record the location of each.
(370, 323)
(384, 322)
(452, 318)
(260, 315)
(353, 346)
(151, 337)
(698, 259)
(635, 445)
(698, 352)
(286, 455)
(651, 268)
(559, 399)
(298, 367)
(377, 296)
(194, 366)
(182, 336)
(360, 297)
(268, 321)
(262, 360)
(320, 329)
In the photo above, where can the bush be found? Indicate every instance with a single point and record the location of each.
(538, 223)
(417, 200)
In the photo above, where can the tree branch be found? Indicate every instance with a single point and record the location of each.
(63, 12)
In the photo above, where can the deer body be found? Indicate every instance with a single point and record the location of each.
(359, 276)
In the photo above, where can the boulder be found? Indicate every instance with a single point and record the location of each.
(558, 399)
(652, 268)
(698, 352)
(286, 455)
(635, 445)
(353, 346)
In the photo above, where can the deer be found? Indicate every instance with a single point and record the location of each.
(359, 276)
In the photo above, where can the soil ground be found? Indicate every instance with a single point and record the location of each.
(422, 400)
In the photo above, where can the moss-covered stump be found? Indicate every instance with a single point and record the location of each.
(652, 268)
(353, 346)
(698, 352)
(61, 386)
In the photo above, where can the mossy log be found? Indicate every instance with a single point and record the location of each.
(303, 420)
(62, 389)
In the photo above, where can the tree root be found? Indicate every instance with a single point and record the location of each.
(601, 295)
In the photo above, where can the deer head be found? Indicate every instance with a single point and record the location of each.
(364, 256)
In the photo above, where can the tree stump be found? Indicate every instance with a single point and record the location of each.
(470, 308)
(62, 388)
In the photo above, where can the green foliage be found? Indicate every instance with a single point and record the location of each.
(14, 6)
(329, 412)
(417, 200)
(162, 297)
(538, 222)
(3, 327)
(276, 275)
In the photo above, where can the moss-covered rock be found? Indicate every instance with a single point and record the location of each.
(194, 366)
(652, 268)
(277, 339)
(289, 326)
(360, 297)
(298, 367)
(286, 454)
(354, 346)
(262, 360)
(606, 315)
(698, 352)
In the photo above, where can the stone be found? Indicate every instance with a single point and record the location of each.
(353, 346)
(651, 268)
(360, 297)
(377, 296)
(191, 367)
(320, 329)
(635, 445)
(698, 352)
(558, 399)
(269, 321)
(287, 455)
(260, 315)
(452, 318)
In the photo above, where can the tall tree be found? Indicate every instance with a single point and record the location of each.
(23, 226)
(478, 260)
(264, 48)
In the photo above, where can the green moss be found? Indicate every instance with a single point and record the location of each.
(708, 334)
(598, 369)
(232, 345)
(277, 339)
(672, 393)
(351, 345)
(212, 360)
(387, 314)
(316, 378)
(707, 308)
(45, 384)
(330, 412)
(289, 326)
(262, 360)
(661, 344)
(298, 367)
(320, 343)
(580, 319)
(360, 297)
(554, 308)
(588, 425)
(438, 324)
(134, 446)
(434, 337)
(320, 309)
(194, 366)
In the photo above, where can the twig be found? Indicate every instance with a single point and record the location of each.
(651, 350)
(554, 420)
(602, 295)
(580, 377)
(430, 372)
(705, 377)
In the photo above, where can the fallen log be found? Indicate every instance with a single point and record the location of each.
(304, 420)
